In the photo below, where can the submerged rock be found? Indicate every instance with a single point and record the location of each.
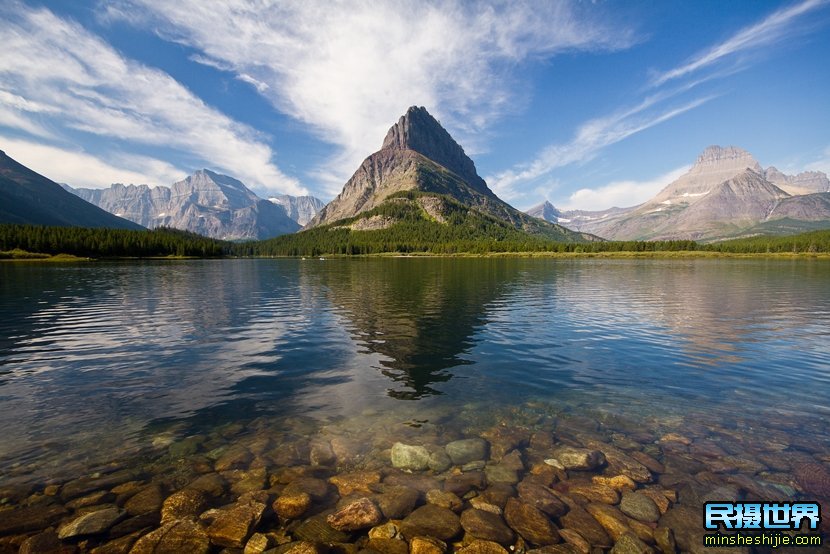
(410, 457)
(292, 506)
(467, 450)
(486, 525)
(639, 506)
(580, 459)
(529, 522)
(360, 514)
(232, 526)
(175, 536)
(183, 504)
(431, 521)
(91, 523)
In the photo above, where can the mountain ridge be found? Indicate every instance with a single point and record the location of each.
(27, 197)
(404, 163)
(206, 202)
(724, 194)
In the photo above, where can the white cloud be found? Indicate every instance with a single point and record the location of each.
(349, 69)
(590, 138)
(57, 69)
(770, 30)
(822, 164)
(81, 169)
(619, 194)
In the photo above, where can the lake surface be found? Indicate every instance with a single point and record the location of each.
(107, 366)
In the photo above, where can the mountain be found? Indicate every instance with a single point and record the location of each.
(299, 208)
(27, 197)
(206, 203)
(546, 211)
(725, 194)
(418, 155)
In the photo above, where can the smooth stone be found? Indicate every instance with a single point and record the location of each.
(590, 491)
(292, 506)
(185, 447)
(431, 521)
(617, 524)
(410, 457)
(576, 540)
(439, 461)
(578, 458)
(529, 522)
(386, 531)
(234, 458)
(121, 545)
(396, 502)
(488, 526)
(417, 481)
(98, 497)
(147, 500)
(360, 514)
(467, 450)
(233, 526)
(477, 465)
(321, 453)
(639, 506)
(463, 483)
(91, 523)
(360, 481)
(388, 546)
(498, 494)
(211, 484)
(317, 489)
(504, 439)
(131, 525)
(500, 473)
(444, 499)
(556, 549)
(183, 504)
(619, 483)
(427, 545)
(480, 504)
(584, 523)
(175, 536)
(542, 498)
(482, 547)
(630, 544)
(316, 530)
(621, 463)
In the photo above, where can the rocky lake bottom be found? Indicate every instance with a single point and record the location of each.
(396, 408)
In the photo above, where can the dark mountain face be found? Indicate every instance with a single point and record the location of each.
(27, 197)
(207, 203)
(420, 155)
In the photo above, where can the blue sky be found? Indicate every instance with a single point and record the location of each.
(586, 104)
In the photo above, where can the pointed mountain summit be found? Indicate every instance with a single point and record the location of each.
(546, 211)
(419, 156)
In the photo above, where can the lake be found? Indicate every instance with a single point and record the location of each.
(713, 374)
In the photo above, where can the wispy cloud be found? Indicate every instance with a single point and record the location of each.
(80, 168)
(774, 28)
(54, 70)
(619, 194)
(348, 69)
(598, 133)
(588, 141)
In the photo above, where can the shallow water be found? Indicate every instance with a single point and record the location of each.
(108, 364)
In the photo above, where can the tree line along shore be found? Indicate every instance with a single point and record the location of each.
(41, 242)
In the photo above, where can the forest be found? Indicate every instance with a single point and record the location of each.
(472, 234)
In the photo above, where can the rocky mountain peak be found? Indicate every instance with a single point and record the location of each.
(725, 158)
(417, 130)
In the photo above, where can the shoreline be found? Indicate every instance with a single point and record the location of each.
(682, 254)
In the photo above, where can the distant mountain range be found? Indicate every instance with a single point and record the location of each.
(726, 194)
(206, 203)
(27, 197)
(419, 156)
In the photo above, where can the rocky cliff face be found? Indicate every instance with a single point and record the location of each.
(546, 211)
(724, 194)
(299, 208)
(418, 154)
(207, 203)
